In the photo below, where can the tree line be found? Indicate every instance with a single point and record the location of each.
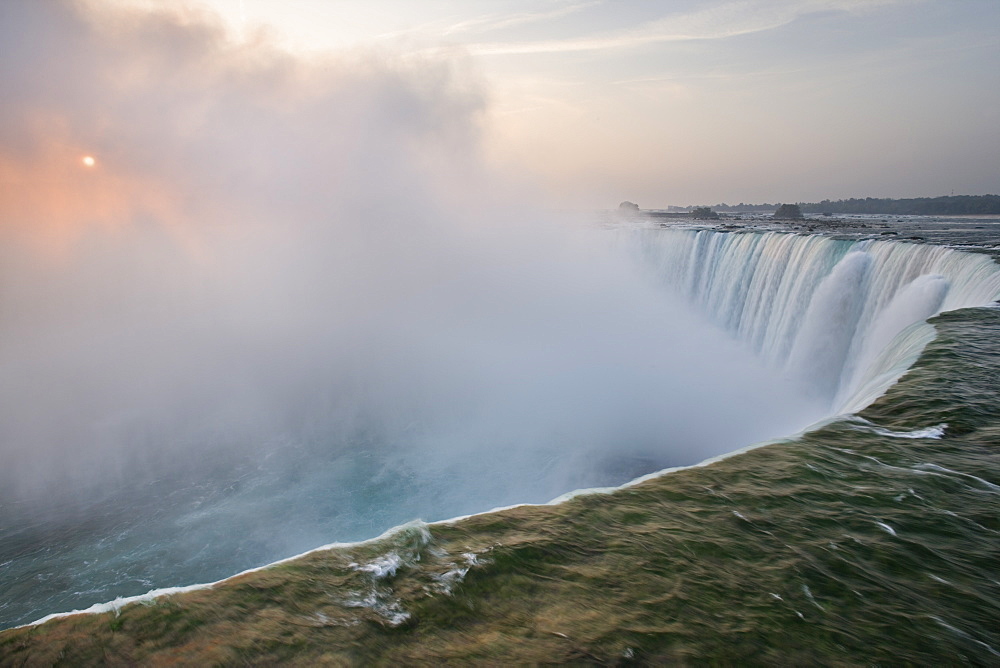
(948, 205)
(954, 205)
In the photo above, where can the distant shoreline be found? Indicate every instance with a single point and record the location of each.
(945, 205)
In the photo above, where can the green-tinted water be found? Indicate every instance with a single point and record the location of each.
(859, 543)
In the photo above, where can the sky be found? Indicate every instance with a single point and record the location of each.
(590, 102)
(697, 102)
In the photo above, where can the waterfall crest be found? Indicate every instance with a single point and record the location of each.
(847, 317)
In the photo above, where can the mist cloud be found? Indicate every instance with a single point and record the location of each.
(276, 255)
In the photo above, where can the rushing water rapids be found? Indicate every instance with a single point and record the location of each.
(848, 313)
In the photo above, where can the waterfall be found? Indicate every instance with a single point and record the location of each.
(830, 325)
(847, 317)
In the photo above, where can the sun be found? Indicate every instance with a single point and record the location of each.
(88, 161)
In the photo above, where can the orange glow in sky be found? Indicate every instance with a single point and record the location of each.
(44, 200)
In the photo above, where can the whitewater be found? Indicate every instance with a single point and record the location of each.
(841, 320)
(846, 315)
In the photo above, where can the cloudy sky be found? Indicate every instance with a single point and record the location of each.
(703, 101)
(688, 101)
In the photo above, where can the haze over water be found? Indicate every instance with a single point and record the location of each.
(253, 303)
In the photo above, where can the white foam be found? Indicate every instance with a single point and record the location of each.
(150, 596)
(934, 467)
(885, 527)
(861, 424)
(382, 567)
(116, 605)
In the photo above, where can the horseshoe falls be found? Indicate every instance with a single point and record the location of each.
(833, 324)
(845, 317)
